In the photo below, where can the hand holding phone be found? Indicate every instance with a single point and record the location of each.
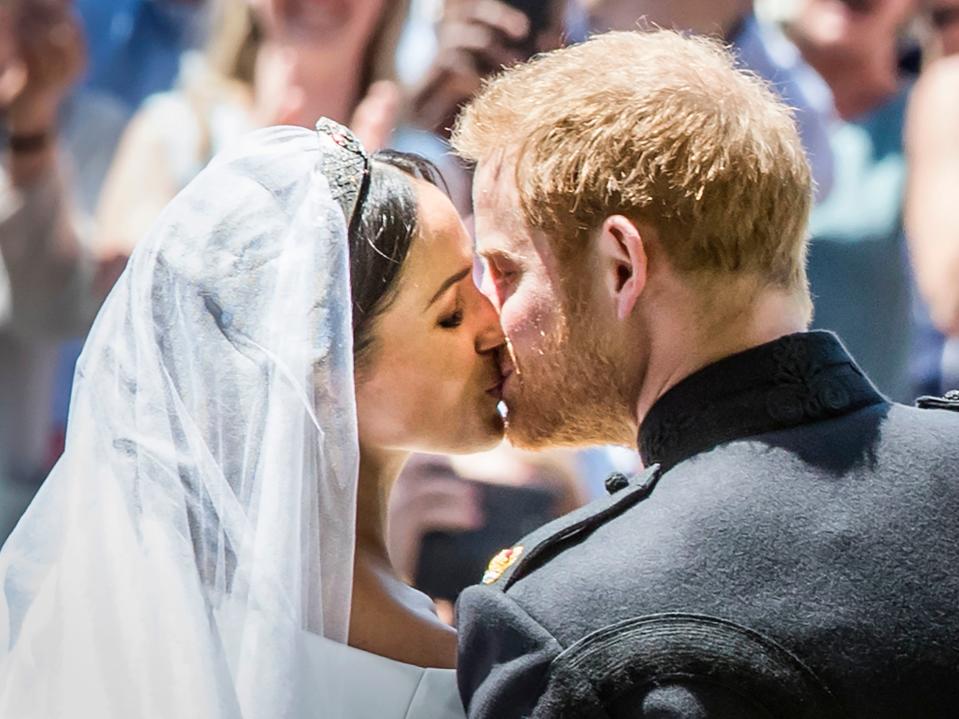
(476, 39)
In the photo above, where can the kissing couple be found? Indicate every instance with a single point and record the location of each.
(304, 316)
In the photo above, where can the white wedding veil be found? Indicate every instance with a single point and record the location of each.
(202, 516)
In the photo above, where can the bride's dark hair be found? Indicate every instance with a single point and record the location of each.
(380, 238)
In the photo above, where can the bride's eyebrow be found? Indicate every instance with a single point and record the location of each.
(449, 282)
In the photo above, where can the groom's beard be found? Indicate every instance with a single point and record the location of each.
(568, 391)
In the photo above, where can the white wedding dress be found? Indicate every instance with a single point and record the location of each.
(350, 683)
(191, 554)
(374, 687)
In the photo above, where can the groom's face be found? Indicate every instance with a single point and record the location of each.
(557, 368)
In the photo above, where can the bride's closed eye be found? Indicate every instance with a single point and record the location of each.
(454, 319)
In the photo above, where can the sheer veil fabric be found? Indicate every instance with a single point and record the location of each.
(202, 515)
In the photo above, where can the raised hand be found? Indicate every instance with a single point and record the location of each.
(375, 117)
(428, 497)
(44, 53)
(475, 40)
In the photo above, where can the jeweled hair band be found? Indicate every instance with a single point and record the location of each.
(346, 166)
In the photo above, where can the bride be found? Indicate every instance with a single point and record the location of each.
(211, 544)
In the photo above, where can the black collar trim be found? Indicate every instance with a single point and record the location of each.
(797, 379)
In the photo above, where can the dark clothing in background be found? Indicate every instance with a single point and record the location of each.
(791, 551)
(135, 46)
(451, 561)
(859, 272)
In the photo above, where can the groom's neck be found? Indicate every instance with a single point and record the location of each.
(686, 341)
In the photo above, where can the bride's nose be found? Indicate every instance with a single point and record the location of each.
(489, 335)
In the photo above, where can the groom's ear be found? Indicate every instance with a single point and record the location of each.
(622, 262)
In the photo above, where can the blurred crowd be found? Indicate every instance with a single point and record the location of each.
(110, 107)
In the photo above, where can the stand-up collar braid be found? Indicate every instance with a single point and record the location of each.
(791, 381)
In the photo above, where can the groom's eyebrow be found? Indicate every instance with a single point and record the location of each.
(449, 282)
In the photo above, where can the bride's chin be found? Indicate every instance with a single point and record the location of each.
(489, 434)
(497, 432)
(477, 429)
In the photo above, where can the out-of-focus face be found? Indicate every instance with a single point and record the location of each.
(943, 18)
(433, 383)
(561, 379)
(10, 80)
(315, 20)
(700, 16)
(623, 14)
(854, 29)
(315, 58)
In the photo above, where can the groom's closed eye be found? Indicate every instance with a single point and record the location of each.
(503, 273)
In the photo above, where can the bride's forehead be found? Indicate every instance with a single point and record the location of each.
(440, 229)
(441, 246)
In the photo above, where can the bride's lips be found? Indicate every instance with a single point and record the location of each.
(496, 391)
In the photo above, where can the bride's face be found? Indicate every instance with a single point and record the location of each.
(432, 380)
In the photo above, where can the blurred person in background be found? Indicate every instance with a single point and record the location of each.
(267, 62)
(854, 46)
(941, 18)
(56, 148)
(932, 142)
(759, 47)
(135, 46)
(475, 39)
(450, 514)
(859, 269)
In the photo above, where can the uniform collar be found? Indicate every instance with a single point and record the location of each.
(795, 380)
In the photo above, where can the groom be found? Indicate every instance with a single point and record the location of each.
(792, 548)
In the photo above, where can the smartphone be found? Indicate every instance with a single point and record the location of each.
(451, 561)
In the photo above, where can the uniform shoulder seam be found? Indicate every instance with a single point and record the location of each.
(555, 534)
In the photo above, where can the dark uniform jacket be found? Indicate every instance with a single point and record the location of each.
(791, 551)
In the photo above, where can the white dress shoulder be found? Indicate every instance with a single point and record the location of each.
(372, 686)
(337, 681)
